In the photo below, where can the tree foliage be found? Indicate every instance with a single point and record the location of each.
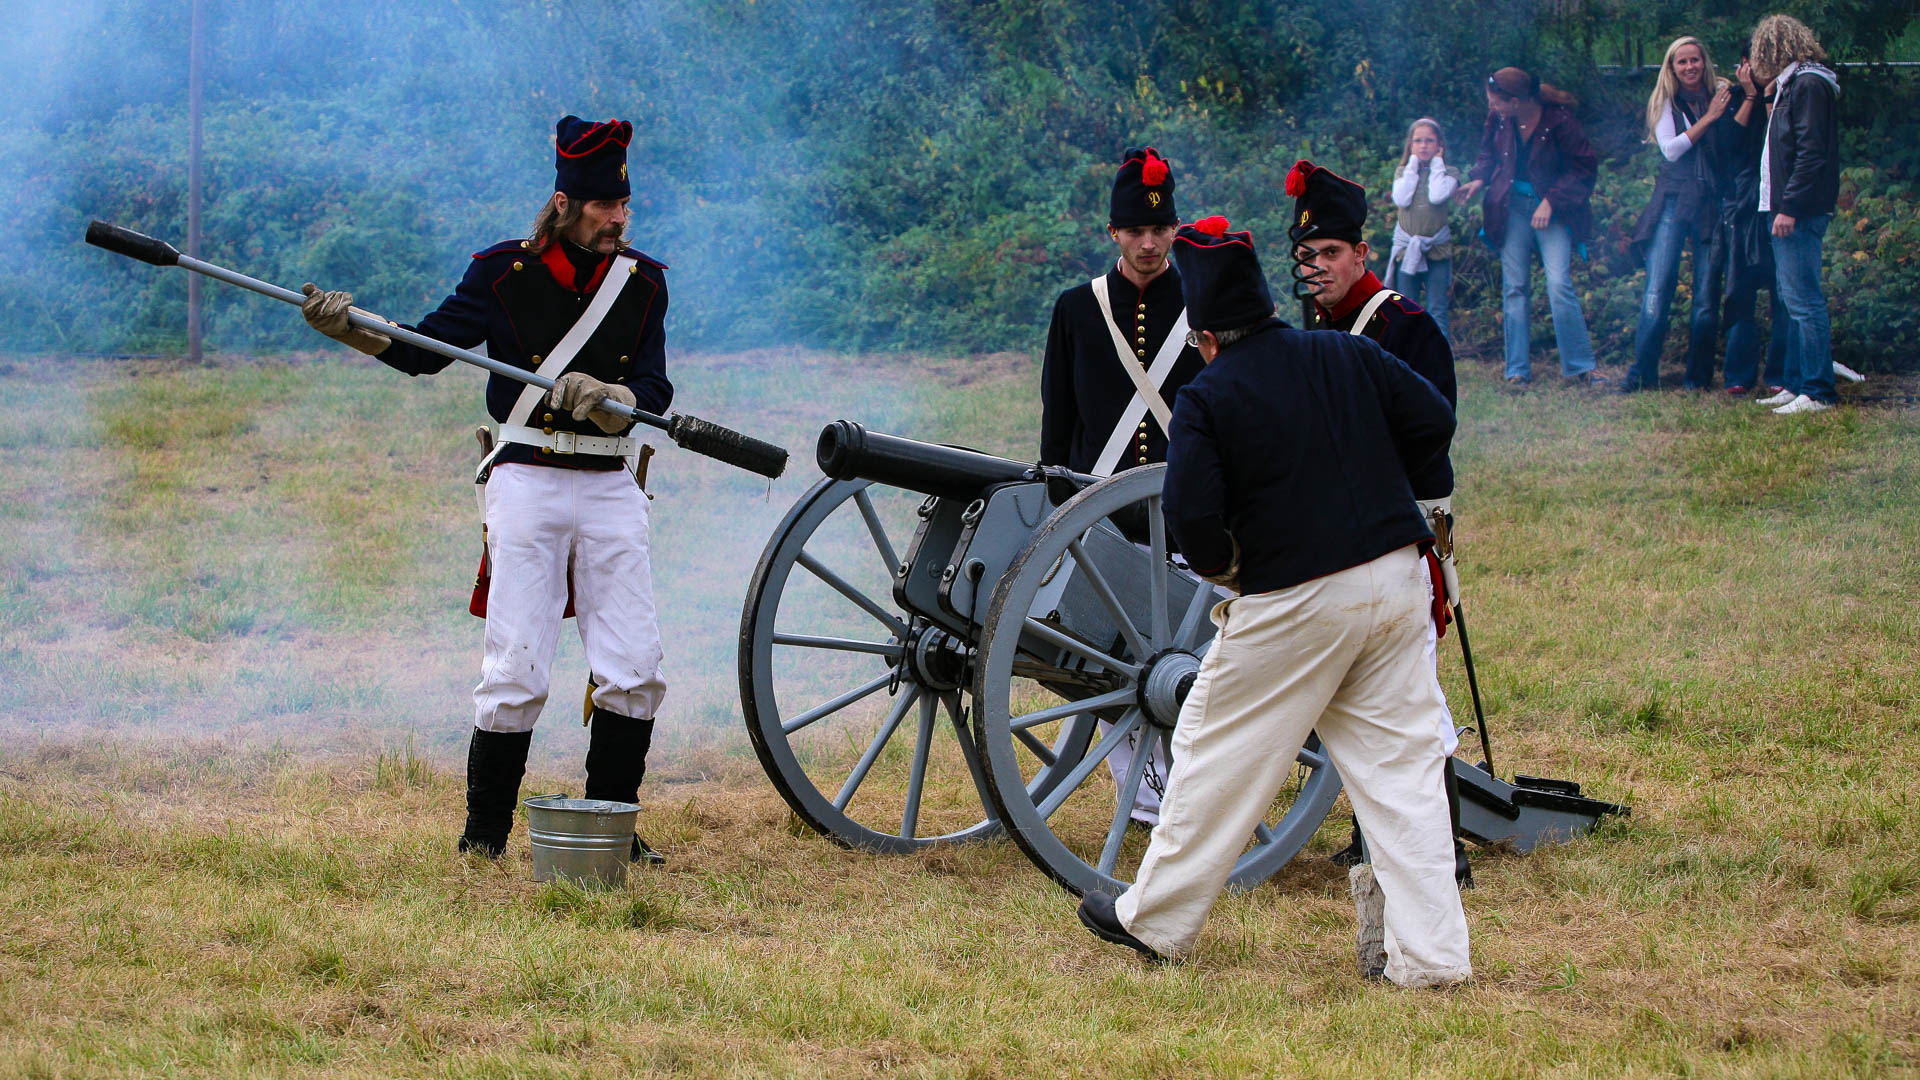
(869, 174)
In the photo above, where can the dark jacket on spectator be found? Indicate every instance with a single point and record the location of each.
(1562, 168)
(1803, 144)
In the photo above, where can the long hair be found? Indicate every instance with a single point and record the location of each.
(552, 224)
(1780, 40)
(1516, 82)
(1439, 135)
(1667, 85)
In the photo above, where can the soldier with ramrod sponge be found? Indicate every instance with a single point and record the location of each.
(566, 521)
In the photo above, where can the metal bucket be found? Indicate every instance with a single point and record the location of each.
(585, 840)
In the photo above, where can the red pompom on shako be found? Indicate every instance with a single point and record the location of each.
(1212, 226)
(1297, 178)
(1153, 171)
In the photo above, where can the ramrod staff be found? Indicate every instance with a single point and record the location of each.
(689, 432)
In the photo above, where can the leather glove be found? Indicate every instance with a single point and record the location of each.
(327, 313)
(582, 394)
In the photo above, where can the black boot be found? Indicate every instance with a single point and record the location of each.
(616, 763)
(496, 760)
(1462, 870)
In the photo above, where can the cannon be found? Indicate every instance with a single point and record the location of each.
(1034, 620)
(1007, 609)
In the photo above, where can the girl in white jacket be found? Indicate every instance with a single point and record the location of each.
(1421, 265)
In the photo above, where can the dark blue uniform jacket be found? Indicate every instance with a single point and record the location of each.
(1405, 330)
(520, 305)
(1298, 444)
(1083, 388)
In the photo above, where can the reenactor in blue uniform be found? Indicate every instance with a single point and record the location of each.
(1287, 481)
(1085, 391)
(1329, 221)
(566, 522)
(1116, 355)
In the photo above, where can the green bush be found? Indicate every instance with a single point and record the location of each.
(879, 174)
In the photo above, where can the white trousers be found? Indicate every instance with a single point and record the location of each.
(1345, 655)
(542, 525)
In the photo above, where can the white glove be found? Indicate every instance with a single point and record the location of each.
(582, 395)
(327, 313)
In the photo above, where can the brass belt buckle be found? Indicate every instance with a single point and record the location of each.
(563, 442)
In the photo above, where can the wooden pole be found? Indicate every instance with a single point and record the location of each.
(196, 53)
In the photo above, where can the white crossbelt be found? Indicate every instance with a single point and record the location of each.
(515, 429)
(1145, 383)
(1367, 312)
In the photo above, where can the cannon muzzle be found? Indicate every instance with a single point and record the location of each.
(848, 451)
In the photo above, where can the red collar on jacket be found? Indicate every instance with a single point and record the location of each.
(1361, 292)
(561, 268)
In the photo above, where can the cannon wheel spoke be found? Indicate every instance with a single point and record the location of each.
(1157, 570)
(878, 531)
(888, 649)
(1141, 649)
(916, 780)
(892, 723)
(862, 600)
(1194, 620)
(1128, 791)
(1078, 775)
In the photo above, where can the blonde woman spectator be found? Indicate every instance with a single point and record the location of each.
(1421, 266)
(1685, 121)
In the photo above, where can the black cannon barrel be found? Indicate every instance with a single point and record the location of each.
(848, 451)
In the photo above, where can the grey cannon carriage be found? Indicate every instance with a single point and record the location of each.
(975, 680)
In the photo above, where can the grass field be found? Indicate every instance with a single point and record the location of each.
(235, 662)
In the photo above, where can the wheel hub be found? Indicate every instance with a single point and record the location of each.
(1164, 685)
(937, 659)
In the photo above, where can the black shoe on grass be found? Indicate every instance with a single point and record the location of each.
(1097, 915)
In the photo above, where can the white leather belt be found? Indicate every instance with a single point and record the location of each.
(566, 442)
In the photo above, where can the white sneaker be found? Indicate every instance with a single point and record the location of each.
(1802, 404)
(1843, 371)
(1780, 398)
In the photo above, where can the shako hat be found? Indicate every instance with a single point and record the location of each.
(1142, 191)
(590, 159)
(1326, 205)
(1220, 276)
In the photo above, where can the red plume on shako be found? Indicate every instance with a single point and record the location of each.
(1297, 179)
(1212, 226)
(1153, 171)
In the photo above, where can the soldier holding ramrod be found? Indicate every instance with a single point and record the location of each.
(566, 522)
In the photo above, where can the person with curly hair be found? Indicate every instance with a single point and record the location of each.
(1800, 187)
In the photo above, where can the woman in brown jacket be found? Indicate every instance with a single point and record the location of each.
(1538, 172)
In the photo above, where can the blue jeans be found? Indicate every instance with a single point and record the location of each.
(1743, 330)
(1796, 272)
(1555, 244)
(1428, 288)
(1663, 273)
